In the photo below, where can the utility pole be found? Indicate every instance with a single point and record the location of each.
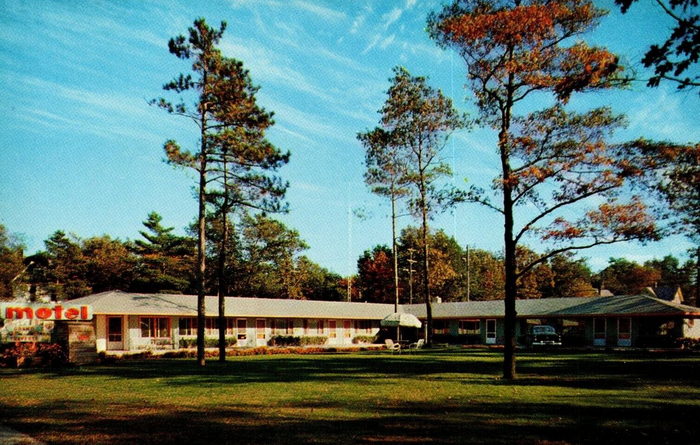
(469, 284)
(410, 275)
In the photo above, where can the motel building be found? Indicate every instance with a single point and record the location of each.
(130, 322)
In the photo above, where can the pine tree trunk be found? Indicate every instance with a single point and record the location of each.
(222, 284)
(511, 288)
(202, 233)
(201, 263)
(426, 278)
(395, 252)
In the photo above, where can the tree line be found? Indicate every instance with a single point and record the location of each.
(470, 274)
(266, 260)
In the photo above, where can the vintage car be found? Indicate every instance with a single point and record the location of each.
(543, 335)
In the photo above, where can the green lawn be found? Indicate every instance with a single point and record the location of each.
(431, 397)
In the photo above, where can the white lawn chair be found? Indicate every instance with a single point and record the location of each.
(393, 347)
(416, 346)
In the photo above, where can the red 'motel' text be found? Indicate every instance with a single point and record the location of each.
(15, 311)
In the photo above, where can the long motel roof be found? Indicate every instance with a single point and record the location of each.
(123, 303)
(630, 305)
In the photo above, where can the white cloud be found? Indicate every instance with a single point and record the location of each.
(664, 114)
(272, 67)
(324, 13)
(387, 41)
(391, 17)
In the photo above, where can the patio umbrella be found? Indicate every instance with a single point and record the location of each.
(402, 320)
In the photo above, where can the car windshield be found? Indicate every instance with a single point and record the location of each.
(543, 330)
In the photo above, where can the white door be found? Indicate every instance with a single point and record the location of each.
(490, 332)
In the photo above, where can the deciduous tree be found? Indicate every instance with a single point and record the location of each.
(625, 277)
(375, 272)
(271, 253)
(550, 160)
(11, 263)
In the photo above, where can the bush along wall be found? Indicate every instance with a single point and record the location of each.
(364, 339)
(209, 342)
(314, 341)
(284, 340)
(32, 355)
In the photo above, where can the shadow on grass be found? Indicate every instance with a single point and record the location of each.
(492, 423)
(592, 371)
(567, 417)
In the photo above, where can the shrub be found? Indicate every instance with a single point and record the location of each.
(656, 341)
(692, 344)
(284, 340)
(52, 354)
(32, 354)
(314, 341)
(363, 339)
(209, 342)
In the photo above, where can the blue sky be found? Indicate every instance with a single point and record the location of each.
(81, 150)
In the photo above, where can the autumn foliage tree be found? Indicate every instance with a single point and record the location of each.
(375, 269)
(552, 160)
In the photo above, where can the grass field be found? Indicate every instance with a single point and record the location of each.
(431, 397)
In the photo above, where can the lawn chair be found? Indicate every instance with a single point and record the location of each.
(416, 346)
(393, 347)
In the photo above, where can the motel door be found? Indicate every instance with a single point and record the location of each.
(115, 333)
(490, 332)
(347, 331)
(260, 328)
(333, 332)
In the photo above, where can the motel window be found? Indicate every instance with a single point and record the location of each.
(347, 327)
(188, 326)
(624, 328)
(314, 327)
(155, 327)
(283, 326)
(441, 327)
(332, 325)
(599, 328)
(211, 327)
(364, 326)
(230, 326)
(469, 327)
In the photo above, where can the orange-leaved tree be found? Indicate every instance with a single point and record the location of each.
(553, 161)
